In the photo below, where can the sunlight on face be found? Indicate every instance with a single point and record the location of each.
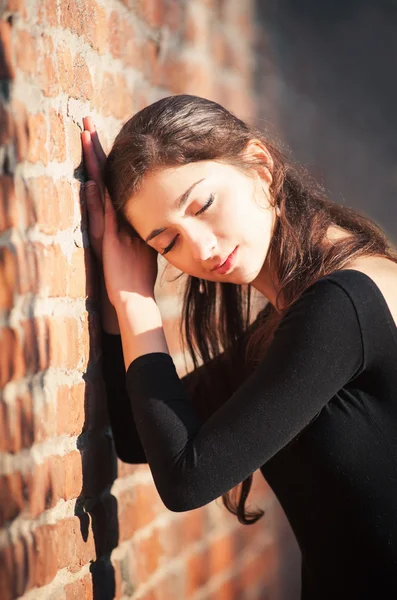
(225, 209)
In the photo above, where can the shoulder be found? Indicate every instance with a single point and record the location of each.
(326, 309)
(332, 291)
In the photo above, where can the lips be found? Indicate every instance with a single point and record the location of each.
(224, 267)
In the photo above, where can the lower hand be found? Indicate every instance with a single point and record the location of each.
(129, 265)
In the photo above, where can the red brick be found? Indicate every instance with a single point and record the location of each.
(152, 64)
(58, 477)
(43, 341)
(197, 572)
(65, 67)
(65, 414)
(82, 589)
(77, 284)
(37, 139)
(86, 19)
(132, 54)
(221, 554)
(170, 586)
(47, 13)
(171, 538)
(19, 269)
(125, 469)
(64, 342)
(192, 526)
(53, 270)
(148, 553)
(114, 33)
(96, 32)
(81, 85)
(21, 129)
(196, 30)
(16, 423)
(261, 568)
(114, 97)
(74, 142)
(6, 66)
(26, 52)
(70, 409)
(16, 569)
(152, 11)
(137, 508)
(231, 589)
(6, 126)
(173, 15)
(182, 76)
(57, 142)
(12, 363)
(53, 203)
(11, 496)
(59, 546)
(8, 271)
(48, 76)
(141, 97)
(218, 48)
(123, 41)
(73, 16)
(16, 6)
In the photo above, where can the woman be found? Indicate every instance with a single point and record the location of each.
(307, 393)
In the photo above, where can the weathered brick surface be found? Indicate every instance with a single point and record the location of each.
(75, 520)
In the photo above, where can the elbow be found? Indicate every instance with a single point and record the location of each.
(179, 505)
(130, 455)
(178, 498)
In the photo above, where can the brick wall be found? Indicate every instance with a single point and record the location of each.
(76, 523)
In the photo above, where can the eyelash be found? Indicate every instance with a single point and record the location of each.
(207, 205)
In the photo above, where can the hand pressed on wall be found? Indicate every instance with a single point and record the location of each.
(129, 265)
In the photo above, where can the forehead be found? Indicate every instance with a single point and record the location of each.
(160, 189)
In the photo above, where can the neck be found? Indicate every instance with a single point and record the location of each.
(266, 284)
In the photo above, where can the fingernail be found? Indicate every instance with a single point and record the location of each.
(90, 186)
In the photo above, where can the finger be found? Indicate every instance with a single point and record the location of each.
(95, 211)
(93, 197)
(90, 158)
(111, 225)
(89, 126)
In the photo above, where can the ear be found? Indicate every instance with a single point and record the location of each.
(258, 150)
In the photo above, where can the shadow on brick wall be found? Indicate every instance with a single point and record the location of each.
(96, 507)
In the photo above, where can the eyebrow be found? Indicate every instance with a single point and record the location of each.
(180, 203)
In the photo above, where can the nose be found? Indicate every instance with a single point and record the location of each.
(202, 243)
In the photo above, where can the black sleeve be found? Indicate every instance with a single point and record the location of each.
(125, 436)
(217, 377)
(316, 350)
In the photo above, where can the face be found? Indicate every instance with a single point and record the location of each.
(197, 215)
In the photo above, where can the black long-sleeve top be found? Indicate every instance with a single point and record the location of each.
(317, 416)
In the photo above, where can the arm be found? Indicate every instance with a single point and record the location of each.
(216, 373)
(316, 350)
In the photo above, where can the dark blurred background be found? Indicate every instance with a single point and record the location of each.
(326, 83)
(326, 80)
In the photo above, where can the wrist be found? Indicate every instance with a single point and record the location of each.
(141, 327)
(140, 311)
(126, 301)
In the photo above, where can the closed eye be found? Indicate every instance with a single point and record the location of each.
(204, 208)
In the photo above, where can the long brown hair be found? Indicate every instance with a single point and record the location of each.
(182, 129)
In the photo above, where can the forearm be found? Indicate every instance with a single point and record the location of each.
(141, 327)
(109, 319)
